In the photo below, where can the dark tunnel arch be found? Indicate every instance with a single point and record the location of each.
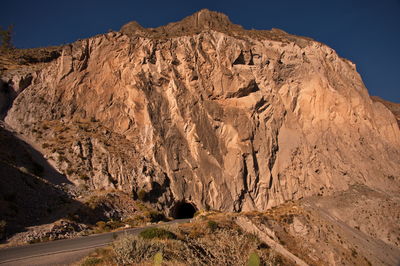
(183, 210)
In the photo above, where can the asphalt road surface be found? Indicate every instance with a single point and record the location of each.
(23, 254)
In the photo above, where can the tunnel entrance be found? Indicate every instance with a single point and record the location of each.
(183, 210)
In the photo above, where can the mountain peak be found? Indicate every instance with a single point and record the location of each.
(202, 20)
(205, 19)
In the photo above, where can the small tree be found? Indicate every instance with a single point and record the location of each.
(6, 37)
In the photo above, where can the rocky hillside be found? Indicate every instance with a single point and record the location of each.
(201, 115)
(206, 112)
(301, 233)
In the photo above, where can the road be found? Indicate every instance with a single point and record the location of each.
(10, 256)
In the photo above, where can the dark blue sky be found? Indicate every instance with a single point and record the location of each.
(365, 31)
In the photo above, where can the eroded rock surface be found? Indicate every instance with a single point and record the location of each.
(394, 107)
(209, 113)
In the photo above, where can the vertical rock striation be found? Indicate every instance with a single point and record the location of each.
(206, 112)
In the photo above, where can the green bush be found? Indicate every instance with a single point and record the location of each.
(108, 226)
(112, 224)
(212, 225)
(254, 260)
(91, 261)
(158, 259)
(142, 194)
(151, 233)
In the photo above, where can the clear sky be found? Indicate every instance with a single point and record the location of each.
(365, 31)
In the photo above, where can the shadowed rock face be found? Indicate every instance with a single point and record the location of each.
(205, 112)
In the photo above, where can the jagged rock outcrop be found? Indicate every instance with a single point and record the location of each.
(206, 112)
(16, 68)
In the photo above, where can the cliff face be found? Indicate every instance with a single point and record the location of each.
(205, 112)
(393, 107)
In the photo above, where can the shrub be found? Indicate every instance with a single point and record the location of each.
(158, 259)
(132, 249)
(46, 145)
(6, 37)
(134, 221)
(91, 261)
(142, 194)
(114, 224)
(212, 225)
(84, 177)
(254, 260)
(62, 158)
(156, 216)
(154, 232)
(107, 226)
(224, 247)
(101, 225)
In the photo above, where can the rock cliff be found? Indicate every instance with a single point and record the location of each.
(393, 107)
(206, 112)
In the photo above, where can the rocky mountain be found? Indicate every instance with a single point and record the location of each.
(206, 112)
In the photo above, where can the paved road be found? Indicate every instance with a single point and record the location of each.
(9, 255)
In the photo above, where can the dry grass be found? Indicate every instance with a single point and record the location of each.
(101, 256)
(34, 57)
(212, 240)
(224, 247)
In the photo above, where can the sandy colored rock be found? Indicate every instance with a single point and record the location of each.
(393, 107)
(206, 112)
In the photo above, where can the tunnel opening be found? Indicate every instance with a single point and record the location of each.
(183, 210)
